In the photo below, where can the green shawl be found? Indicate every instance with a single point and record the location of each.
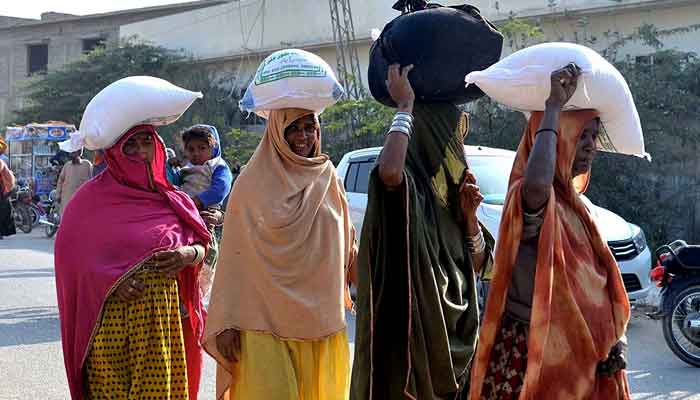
(417, 312)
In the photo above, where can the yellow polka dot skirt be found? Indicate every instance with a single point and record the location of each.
(138, 351)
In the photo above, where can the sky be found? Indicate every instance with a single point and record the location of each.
(34, 8)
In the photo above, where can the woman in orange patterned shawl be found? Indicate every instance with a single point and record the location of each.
(557, 308)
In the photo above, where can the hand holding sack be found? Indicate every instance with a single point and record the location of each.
(131, 101)
(521, 81)
(292, 78)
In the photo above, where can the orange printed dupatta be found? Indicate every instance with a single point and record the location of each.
(580, 308)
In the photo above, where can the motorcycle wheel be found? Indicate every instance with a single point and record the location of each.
(682, 326)
(35, 216)
(23, 219)
(50, 230)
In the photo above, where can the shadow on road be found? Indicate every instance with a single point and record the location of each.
(27, 273)
(29, 325)
(34, 241)
(654, 372)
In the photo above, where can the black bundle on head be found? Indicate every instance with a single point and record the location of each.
(410, 5)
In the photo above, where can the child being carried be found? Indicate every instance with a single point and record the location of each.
(207, 179)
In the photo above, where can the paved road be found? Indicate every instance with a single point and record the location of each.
(31, 364)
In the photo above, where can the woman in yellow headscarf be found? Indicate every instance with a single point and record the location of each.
(557, 308)
(276, 323)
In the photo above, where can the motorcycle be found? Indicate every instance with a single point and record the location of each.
(678, 275)
(51, 220)
(22, 207)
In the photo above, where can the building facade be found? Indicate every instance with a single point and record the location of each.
(233, 38)
(29, 47)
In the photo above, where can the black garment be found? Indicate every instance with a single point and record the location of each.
(417, 311)
(7, 224)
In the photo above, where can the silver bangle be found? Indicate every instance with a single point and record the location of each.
(403, 118)
(473, 239)
(196, 254)
(401, 124)
(476, 243)
(480, 248)
(400, 130)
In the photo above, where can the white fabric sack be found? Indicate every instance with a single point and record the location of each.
(292, 79)
(521, 81)
(136, 100)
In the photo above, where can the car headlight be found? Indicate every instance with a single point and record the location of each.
(640, 241)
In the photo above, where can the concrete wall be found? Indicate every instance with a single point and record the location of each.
(626, 23)
(6, 21)
(502, 9)
(233, 38)
(253, 25)
(64, 35)
(64, 45)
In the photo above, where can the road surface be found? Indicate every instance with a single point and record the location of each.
(31, 364)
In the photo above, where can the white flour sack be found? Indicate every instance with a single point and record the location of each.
(136, 100)
(522, 81)
(292, 79)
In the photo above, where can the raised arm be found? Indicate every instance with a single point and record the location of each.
(541, 166)
(393, 157)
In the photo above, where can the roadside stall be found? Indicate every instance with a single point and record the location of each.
(31, 148)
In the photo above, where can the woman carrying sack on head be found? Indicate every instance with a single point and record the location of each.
(127, 254)
(276, 323)
(557, 309)
(421, 248)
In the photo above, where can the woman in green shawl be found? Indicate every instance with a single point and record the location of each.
(421, 246)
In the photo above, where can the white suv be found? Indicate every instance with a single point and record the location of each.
(492, 169)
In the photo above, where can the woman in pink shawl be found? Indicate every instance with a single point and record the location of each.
(127, 255)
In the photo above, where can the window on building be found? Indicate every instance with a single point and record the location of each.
(90, 44)
(38, 55)
(644, 60)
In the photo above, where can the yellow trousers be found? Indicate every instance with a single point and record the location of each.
(138, 350)
(271, 368)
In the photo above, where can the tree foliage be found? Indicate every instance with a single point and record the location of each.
(354, 124)
(241, 145)
(661, 196)
(63, 94)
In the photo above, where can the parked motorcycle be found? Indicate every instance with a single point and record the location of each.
(22, 208)
(678, 274)
(52, 219)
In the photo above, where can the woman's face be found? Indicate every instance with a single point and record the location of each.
(303, 135)
(140, 145)
(586, 147)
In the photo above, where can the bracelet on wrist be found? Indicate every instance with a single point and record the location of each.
(402, 123)
(196, 254)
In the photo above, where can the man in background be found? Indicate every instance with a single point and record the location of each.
(73, 175)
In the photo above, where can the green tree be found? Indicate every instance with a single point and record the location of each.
(353, 124)
(519, 33)
(660, 196)
(63, 94)
(241, 145)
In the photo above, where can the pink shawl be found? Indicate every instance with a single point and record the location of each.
(113, 223)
